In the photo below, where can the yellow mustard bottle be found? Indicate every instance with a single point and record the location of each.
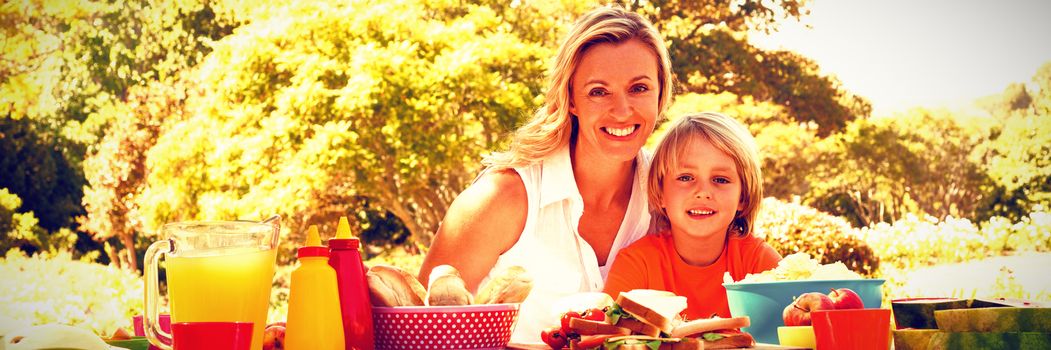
(314, 319)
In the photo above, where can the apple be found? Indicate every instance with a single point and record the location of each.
(798, 312)
(845, 299)
(274, 336)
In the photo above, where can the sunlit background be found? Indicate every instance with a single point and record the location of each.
(910, 140)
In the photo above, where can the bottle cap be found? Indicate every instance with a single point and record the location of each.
(313, 247)
(343, 239)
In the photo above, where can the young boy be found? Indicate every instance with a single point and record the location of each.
(705, 186)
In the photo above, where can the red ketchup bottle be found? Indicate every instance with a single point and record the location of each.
(345, 257)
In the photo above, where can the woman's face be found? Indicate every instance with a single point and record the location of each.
(615, 93)
(703, 193)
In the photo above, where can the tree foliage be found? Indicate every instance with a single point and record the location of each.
(708, 45)
(306, 113)
(878, 170)
(36, 170)
(117, 167)
(1018, 155)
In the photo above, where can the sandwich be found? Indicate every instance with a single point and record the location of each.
(717, 332)
(647, 312)
(647, 319)
(587, 334)
(655, 313)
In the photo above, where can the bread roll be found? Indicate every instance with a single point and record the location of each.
(447, 288)
(392, 286)
(510, 286)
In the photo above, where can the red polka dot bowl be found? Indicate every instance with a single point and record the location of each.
(444, 327)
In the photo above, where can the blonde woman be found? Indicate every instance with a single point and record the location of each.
(571, 191)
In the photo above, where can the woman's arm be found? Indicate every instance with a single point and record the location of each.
(483, 222)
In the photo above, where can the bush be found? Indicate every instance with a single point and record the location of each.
(57, 289)
(792, 228)
(920, 241)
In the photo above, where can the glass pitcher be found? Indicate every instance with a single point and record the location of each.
(218, 271)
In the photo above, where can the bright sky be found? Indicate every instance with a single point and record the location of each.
(934, 53)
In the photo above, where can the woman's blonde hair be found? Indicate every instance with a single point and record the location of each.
(551, 126)
(727, 135)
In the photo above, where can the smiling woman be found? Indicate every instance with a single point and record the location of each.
(570, 192)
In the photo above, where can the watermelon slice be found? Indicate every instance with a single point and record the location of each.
(919, 312)
(913, 339)
(995, 319)
(990, 341)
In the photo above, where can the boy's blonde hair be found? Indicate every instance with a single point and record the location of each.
(727, 135)
(552, 126)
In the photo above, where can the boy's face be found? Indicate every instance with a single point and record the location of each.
(703, 193)
(615, 94)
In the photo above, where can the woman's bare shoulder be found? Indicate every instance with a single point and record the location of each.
(486, 220)
(500, 192)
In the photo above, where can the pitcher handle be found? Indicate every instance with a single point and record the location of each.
(156, 335)
(274, 220)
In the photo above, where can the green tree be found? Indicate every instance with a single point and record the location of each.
(35, 169)
(21, 232)
(878, 170)
(708, 44)
(117, 168)
(78, 72)
(305, 113)
(1018, 155)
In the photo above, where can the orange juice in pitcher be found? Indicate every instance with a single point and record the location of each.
(217, 272)
(225, 287)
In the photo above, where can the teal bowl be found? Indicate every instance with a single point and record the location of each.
(763, 302)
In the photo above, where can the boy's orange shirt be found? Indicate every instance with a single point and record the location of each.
(652, 263)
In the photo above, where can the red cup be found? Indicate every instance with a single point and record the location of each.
(859, 329)
(212, 335)
(165, 321)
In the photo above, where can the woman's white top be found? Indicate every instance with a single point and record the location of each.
(550, 248)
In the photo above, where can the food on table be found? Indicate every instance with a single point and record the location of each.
(1002, 302)
(995, 319)
(656, 308)
(798, 312)
(446, 288)
(845, 299)
(913, 339)
(274, 336)
(512, 285)
(554, 337)
(717, 333)
(982, 326)
(799, 266)
(919, 313)
(52, 336)
(392, 286)
(119, 334)
(646, 319)
(989, 341)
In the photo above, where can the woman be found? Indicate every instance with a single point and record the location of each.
(571, 191)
